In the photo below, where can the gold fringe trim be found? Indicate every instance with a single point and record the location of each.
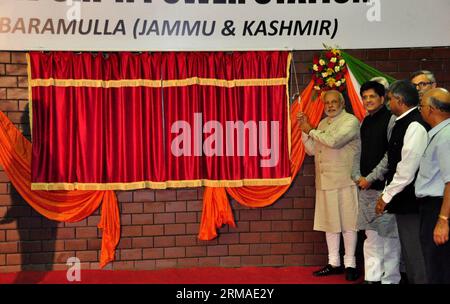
(162, 185)
(30, 95)
(155, 83)
(288, 98)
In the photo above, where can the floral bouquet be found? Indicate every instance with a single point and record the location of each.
(328, 71)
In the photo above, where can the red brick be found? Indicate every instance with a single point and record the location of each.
(145, 265)
(443, 52)
(378, 54)
(153, 253)
(164, 218)
(175, 206)
(144, 196)
(125, 265)
(8, 247)
(165, 195)
(294, 260)
(131, 254)
(149, 230)
(124, 243)
(238, 250)
(164, 241)
(19, 93)
(304, 203)
(186, 194)
(208, 261)
(399, 54)
(283, 203)
(93, 220)
(5, 57)
(86, 232)
(273, 260)
(302, 225)
(281, 248)
(16, 69)
(153, 207)
(160, 264)
(250, 237)
(387, 66)
(281, 226)
(251, 261)
(14, 235)
(303, 248)
(408, 66)
(314, 236)
(57, 245)
(19, 57)
(241, 227)
(2, 261)
(81, 223)
(94, 244)
(250, 215)
(308, 214)
(22, 82)
(186, 217)
(292, 237)
(174, 252)
(260, 226)
(186, 240)
(194, 205)
(192, 228)
(66, 233)
(143, 242)
(259, 249)
(174, 229)
(320, 248)
(217, 250)
(132, 208)
(2, 69)
(23, 105)
(75, 245)
(187, 262)
(2, 236)
(145, 219)
(87, 256)
(125, 196)
(14, 268)
(196, 251)
(3, 96)
(131, 231)
(13, 259)
(228, 238)
(125, 219)
(315, 260)
(310, 191)
(271, 237)
(230, 261)
(8, 82)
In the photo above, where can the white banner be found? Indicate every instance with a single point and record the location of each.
(212, 25)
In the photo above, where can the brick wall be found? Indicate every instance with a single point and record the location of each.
(159, 228)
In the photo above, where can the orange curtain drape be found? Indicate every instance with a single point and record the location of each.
(63, 206)
(216, 209)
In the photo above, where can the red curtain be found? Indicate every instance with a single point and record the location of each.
(131, 121)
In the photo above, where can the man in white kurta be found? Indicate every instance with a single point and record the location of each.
(334, 145)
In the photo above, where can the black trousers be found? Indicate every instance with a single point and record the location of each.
(437, 258)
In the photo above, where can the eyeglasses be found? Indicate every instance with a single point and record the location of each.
(420, 107)
(422, 84)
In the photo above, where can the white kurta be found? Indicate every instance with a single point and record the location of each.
(334, 145)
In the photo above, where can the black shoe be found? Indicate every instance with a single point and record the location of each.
(328, 270)
(371, 282)
(351, 274)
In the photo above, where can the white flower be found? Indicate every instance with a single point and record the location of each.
(343, 80)
(338, 83)
(324, 74)
(322, 62)
(334, 59)
(341, 62)
(337, 68)
(315, 67)
(317, 88)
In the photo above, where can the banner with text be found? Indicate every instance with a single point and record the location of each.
(211, 25)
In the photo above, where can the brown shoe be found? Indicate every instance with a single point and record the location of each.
(328, 270)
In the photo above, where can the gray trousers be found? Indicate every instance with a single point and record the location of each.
(409, 233)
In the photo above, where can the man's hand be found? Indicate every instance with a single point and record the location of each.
(363, 183)
(440, 233)
(303, 122)
(379, 208)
